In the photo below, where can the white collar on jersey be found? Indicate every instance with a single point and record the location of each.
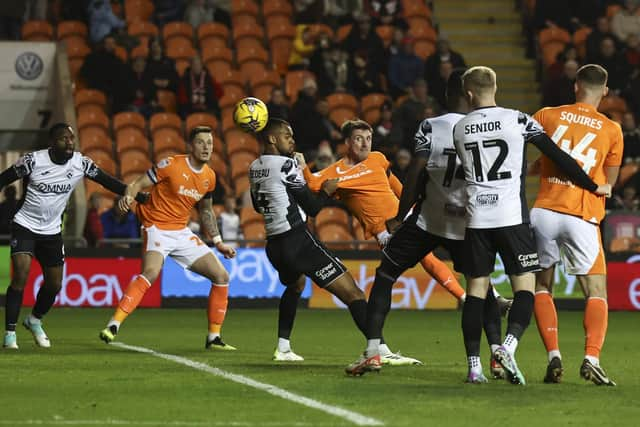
(192, 168)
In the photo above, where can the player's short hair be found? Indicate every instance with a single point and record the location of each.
(273, 124)
(349, 126)
(454, 85)
(479, 80)
(198, 130)
(57, 128)
(592, 75)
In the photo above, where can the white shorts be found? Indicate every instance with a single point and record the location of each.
(181, 245)
(568, 238)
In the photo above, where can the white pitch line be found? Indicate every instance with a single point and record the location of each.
(351, 416)
(117, 422)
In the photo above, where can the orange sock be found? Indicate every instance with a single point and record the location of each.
(596, 319)
(131, 298)
(443, 275)
(217, 309)
(547, 320)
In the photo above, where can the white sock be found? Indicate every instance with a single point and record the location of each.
(463, 298)
(474, 364)
(284, 345)
(113, 323)
(212, 336)
(384, 349)
(554, 353)
(510, 343)
(10, 333)
(373, 347)
(494, 347)
(34, 320)
(594, 360)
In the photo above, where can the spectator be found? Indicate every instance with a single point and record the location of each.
(600, 32)
(318, 128)
(632, 51)
(324, 158)
(202, 11)
(387, 12)
(230, 223)
(560, 90)
(404, 68)
(102, 21)
(340, 12)
(410, 113)
(439, 86)
(93, 226)
(626, 22)
(363, 80)
(628, 201)
(631, 134)
(160, 69)
(330, 66)
(382, 131)
(119, 225)
(73, 10)
(308, 11)
(632, 91)
(278, 106)
(196, 93)
(145, 96)
(8, 209)
(303, 109)
(104, 71)
(167, 11)
(443, 53)
(400, 165)
(556, 70)
(302, 48)
(614, 63)
(363, 40)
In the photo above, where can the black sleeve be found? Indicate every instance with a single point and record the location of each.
(310, 202)
(107, 181)
(564, 161)
(8, 176)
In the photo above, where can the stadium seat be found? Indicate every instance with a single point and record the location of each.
(216, 68)
(579, 40)
(385, 32)
(293, 83)
(121, 53)
(37, 31)
(180, 49)
(317, 29)
(211, 54)
(161, 121)
(228, 125)
(138, 10)
(280, 51)
(200, 119)
(249, 215)
(241, 141)
(129, 119)
(244, 8)
(92, 187)
(76, 48)
(133, 162)
(253, 66)
(140, 51)
(272, 8)
(612, 9)
(103, 160)
(340, 115)
(218, 165)
(373, 101)
(130, 139)
(423, 32)
(232, 94)
(165, 138)
(424, 48)
(244, 20)
(231, 78)
(250, 31)
(240, 162)
(276, 24)
(612, 103)
(177, 29)
(332, 215)
(143, 30)
(247, 44)
(89, 109)
(550, 51)
(415, 9)
(241, 185)
(555, 34)
(255, 233)
(343, 32)
(93, 119)
(371, 116)
(167, 100)
(335, 237)
(90, 97)
(91, 139)
(71, 29)
(342, 100)
(262, 83)
(213, 31)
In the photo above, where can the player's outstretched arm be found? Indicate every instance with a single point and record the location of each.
(409, 194)
(94, 173)
(209, 224)
(8, 176)
(311, 202)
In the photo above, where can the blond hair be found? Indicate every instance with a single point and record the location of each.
(479, 80)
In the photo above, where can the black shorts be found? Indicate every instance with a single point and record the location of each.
(298, 252)
(47, 249)
(516, 245)
(409, 244)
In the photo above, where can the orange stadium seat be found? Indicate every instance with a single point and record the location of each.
(254, 231)
(90, 97)
(280, 52)
(317, 29)
(293, 83)
(280, 27)
(218, 164)
(165, 121)
(555, 34)
(371, 116)
(340, 115)
(385, 32)
(69, 29)
(218, 67)
(133, 162)
(35, 31)
(121, 53)
(129, 119)
(180, 49)
(331, 215)
(252, 67)
(612, 9)
(76, 48)
(212, 42)
(240, 163)
(244, 20)
(276, 8)
(166, 138)
(247, 44)
(213, 31)
(165, 153)
(93, 132)
(238, 142)
(232, 94)
(228, 125)
(212, 54)
(103, 160)
(131, 139)
(177, 29)
(143, 29)
(92, 139)
(580, 40)
(262, 84)
(241, 185)
(423, 32)
(335, 237)
(343, 32)
(252, 61)
(138, 10)
(89, 109)
(167, 100)
(342, 100)
(182, 64)
(200, 119)
(250, 31)
(140, 51)
(93, 119)
(551, 50)
(244, 7)
(415, 8)
(231, 78)
(424, 48)
(92, 187)
(373, 101)
(249, 215)
(612, 104)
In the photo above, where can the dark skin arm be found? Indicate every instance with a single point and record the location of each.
(410, 192)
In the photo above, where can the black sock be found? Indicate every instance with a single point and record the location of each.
(358, 310)
(472, 324)
(44, 301)
(287, 312)
(520, 313)
(379, 304)
(491, 319)
(12, 308)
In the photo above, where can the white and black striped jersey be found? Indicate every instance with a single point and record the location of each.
(442, 212)
(491, 143)
(48, 187)
(274, 180)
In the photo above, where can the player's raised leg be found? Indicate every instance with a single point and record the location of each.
(21, 263)
(443, 275)
(286, 317)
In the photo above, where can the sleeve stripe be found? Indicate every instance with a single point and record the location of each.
(151, 173)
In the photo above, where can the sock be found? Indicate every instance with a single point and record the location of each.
(287, 313)
(547, 321)
(284, 345)
(379, 304)
(494, 347)
(596, 317)
(12, 308)
(384, 349)
(113, 324)
(217, 308)
(554, 353)
(510, 343)
(44, 301)
(474, 364)
(131, 298)
(492, 322)
(34, 320)
(443, 275)
(472, 325)
(373, 347)
(358, 310)
(520, 313)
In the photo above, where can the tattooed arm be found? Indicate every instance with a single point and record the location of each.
(209, 226)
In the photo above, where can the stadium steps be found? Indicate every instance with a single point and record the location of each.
(489, 32)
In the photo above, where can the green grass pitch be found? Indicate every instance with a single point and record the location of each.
(82, 381)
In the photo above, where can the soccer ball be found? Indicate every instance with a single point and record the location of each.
(251, 114)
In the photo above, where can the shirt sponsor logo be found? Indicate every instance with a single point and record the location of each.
(558, 181)
(326, 272)
(189, 192)
(487, 200)
(53, 188)
(528, 260)
(355, 175)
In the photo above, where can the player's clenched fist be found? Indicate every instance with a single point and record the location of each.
(330, 186)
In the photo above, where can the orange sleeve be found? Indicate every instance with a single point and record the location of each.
(539, 117)
(396, 185)
(314, 180)
(162, 170)
(614, 157)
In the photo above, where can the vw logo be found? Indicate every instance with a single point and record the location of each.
(29, 66)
